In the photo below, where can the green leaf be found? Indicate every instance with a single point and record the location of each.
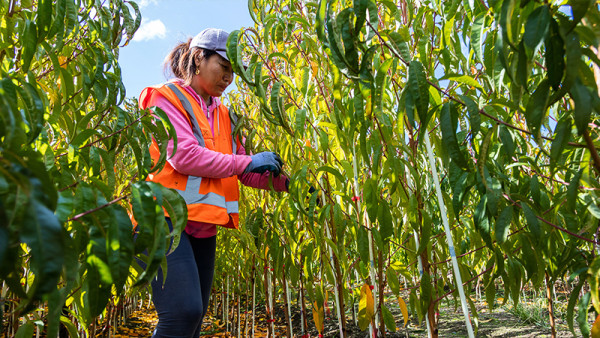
(582, 97)
(506, 20)
(235, 56)
(522, 71)
(534, 185)
(582, 315)
(380, 84)
(426, 289)
(348, 38)
(459, 190)
(554, 55)
(536, 28)
(503, 224)
(572, 302)
(425, 235)
(537, 107)
(371, 195)
(59, 20)
(333, 40)
(29, 45)
(300, 121)
(393, 282)
(579, 8)
(332, 171)
(44, 236)
(56, 301)
(532, 221)
(119, 246)
(177, 210)
(319, 19)
(490, 294)
(44, 17)
(464, 79)
(474, 118)
(360, 11)
(477, 30)
(515, 273)
(386, 226)
(419, 89)
(448, 118)
(363, 245)
(388, 319)
(508, 140)
(26, 330)
(562, 136)
(594, 280)
(34, 109)
(400, 46)
(71, 328)
(482, 222)
(573, 190)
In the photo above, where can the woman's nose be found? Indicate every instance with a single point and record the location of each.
(228, 77)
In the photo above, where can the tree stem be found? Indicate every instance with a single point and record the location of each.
(550, 305)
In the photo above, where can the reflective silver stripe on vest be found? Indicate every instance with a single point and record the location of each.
(191, 195)
(233, 207)
(188, 108)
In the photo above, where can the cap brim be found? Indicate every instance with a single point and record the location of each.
(223, 54)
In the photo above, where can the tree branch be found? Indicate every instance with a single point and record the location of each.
(83, 214)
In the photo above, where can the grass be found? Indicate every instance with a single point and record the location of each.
(532, 313)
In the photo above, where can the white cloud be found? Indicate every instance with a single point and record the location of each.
(145, 3)
(149, 30)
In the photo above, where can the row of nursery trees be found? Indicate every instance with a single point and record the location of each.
(359, 94)
(452, 143)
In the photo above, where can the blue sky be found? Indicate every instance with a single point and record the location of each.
(164, 24)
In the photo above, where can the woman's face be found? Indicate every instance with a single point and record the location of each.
(214, 76)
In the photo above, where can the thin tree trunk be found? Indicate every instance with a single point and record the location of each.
(550, 305)
(288, 315)
(381, 287)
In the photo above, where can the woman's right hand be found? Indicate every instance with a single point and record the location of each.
(265, 161)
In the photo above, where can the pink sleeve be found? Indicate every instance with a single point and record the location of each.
(261, 181)
(191, 158)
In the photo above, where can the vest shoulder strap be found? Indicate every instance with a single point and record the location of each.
(189, 110)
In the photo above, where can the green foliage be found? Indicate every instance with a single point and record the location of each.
(345, 91)
(73, 159)
(507, 94)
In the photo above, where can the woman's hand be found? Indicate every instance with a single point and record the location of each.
(265, 161)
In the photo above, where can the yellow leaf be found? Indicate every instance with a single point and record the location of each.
(62, 60)
(404, 310)
(315, 68)
(318, 317)
(596, 328)
(366, 307)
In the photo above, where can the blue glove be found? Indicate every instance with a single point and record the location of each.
(265, 161)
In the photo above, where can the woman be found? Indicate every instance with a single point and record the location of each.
(205, 169)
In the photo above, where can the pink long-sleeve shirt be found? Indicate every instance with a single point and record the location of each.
(193, 159)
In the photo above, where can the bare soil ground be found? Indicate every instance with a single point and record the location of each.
(499, 323)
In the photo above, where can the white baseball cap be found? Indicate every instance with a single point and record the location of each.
(212, 39)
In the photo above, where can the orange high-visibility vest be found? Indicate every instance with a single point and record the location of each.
(209, 200)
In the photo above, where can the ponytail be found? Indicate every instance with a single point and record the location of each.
(180, 61)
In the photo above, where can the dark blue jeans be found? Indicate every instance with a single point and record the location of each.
(182, 301)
